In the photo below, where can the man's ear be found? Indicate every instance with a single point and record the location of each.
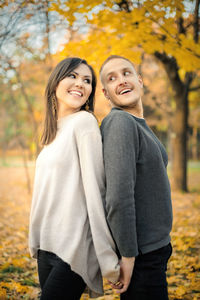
(140, 80)
(105, 93)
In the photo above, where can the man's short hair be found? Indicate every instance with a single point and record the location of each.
(113, 57)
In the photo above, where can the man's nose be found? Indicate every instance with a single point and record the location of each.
(122, 80)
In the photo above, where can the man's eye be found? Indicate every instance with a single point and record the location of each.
(111, 78)
(126, 73)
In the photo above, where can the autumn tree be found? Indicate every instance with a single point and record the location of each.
(168, 30)
(26, 29)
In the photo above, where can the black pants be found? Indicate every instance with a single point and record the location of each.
(57, 280)
(148, 281)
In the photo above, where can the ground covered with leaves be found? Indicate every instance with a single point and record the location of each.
(18, 273)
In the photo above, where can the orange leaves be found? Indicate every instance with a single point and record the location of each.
(181, 290)
(14, 286)
(16, 291)
(17, 269)
(184, 265)
(18, 273)
(3, 293)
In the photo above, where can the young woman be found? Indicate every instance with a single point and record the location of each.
(68, 230)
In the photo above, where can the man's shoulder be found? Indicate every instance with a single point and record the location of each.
(117, 118)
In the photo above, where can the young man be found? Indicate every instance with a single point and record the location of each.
(138, 197)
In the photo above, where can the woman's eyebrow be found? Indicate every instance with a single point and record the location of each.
(88, 76)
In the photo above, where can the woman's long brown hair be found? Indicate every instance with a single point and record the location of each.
(64, 68)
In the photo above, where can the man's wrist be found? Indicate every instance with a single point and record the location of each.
(128, 259)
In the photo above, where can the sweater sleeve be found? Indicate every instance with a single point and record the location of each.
(120, 146)
(92, 169)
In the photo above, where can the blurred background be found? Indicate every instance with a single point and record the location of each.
(162, 39)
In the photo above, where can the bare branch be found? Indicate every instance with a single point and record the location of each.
(7, 31)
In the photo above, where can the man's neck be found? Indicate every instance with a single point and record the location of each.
(136, 111)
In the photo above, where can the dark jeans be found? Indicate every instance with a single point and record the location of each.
(148, 281)
(57, 280)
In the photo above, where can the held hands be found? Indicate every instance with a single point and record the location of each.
(126, 270)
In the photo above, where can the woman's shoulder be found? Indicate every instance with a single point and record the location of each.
(86, 121)
(86, 116)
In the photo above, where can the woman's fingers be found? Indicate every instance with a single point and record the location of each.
(117, 285)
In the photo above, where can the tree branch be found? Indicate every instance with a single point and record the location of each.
(171, 68)
(181, 28)
(195, 88)
(124, 5)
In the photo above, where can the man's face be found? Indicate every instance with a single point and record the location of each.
(121, 84)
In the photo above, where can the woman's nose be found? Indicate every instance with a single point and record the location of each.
(79, 82)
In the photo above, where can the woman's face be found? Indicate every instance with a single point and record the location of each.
(74, 90)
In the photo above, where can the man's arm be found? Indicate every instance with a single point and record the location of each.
(120, 147)
(121, 144)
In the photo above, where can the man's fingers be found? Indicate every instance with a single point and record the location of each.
(123, 289)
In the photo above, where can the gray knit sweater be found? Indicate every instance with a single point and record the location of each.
(138, 200)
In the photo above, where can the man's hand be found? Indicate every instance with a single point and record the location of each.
(126, 270)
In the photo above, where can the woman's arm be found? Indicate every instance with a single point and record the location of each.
(92, 169)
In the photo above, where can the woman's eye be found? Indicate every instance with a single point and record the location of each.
(87, 81)
(71, 75)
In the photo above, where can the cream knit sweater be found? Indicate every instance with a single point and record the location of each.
(67, 214)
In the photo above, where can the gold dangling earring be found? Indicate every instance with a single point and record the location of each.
(54, 106)
(87, 105)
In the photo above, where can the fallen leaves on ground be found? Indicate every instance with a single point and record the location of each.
(18, 273)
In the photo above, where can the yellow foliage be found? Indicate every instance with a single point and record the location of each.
(2, 293)
(152, 27)
(180, 291)
(19, 262)
(15, 286)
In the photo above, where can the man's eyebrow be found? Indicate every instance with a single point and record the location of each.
(127, 68)
(110, 73)
(124, 69)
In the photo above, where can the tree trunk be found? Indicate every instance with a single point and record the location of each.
(28, 180)
(30, 111)
(179, 121)
(179, 144)
(194, 143)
